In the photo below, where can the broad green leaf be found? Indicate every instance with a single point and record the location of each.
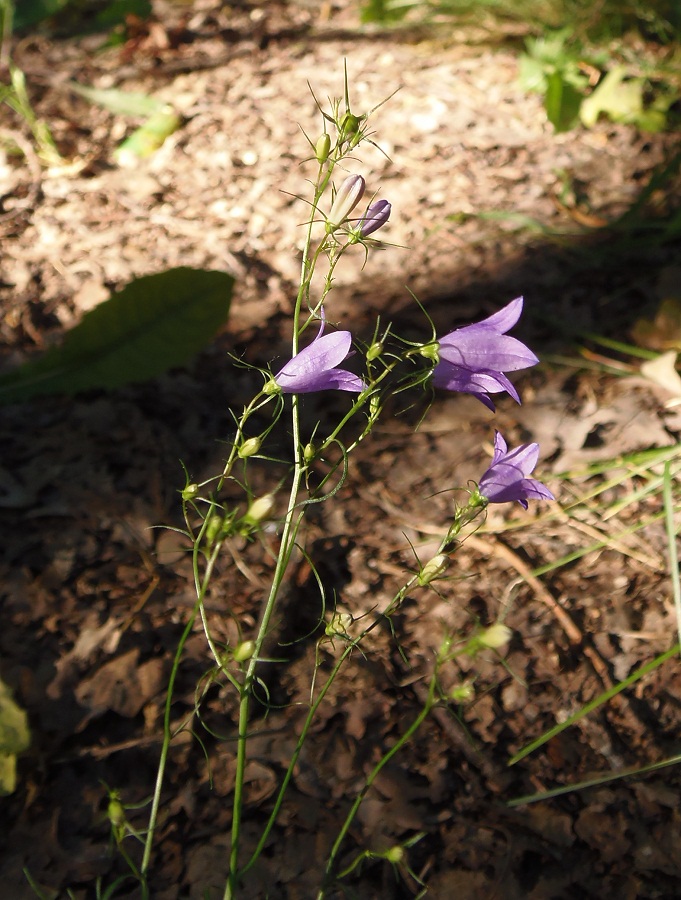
(152, 324)
(77, 16)
(620, 99)
(562, 102)
(30, 12)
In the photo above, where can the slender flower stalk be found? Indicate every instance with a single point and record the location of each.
(507, 478)
(473, 359)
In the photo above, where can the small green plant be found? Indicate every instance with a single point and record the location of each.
(553, 65)
(15, 95)
(577, 55)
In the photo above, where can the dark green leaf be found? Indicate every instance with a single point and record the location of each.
(77, 16)
(562, 102)
(152, 324)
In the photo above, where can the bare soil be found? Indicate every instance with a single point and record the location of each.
(95, 596)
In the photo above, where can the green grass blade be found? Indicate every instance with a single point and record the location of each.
(593, 782)
(595, 703)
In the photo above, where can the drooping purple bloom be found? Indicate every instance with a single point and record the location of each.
(375, 217)
(507, 478)
(314, 368)
(473, 359)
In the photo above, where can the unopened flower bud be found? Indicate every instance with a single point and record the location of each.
(462, 693)
(190, 491)
(115, 811)
(395, 854)
(244, 651)
(433, 569)
(375, 351)
(213, 529)
(259, 509)
(250, 447)
(495, 636)
(348, 196)
(349, 126)
(375, 217)
(309, 453)
(339, 624)
(322, 148)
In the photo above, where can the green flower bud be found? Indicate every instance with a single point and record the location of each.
(244, 651)
(322, 148)
(309, 453)
(495, 637)
(433, 569)
(350, 127)
(213, 529)
(374, 351)
(395, 854)
(339, 624)
(250, 447)
(462, 693)
(115, 811)
(431, 352)
(190, 491)
(259, 509)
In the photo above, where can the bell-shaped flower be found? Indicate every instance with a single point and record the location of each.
(473, 359)
(315, 367)
(507, 478)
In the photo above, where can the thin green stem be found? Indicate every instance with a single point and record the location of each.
(291, 525)
(301, 740)
(167, 730)
(375, 772)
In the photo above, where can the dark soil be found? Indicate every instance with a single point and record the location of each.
(95, 596)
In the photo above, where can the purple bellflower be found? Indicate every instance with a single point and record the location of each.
(473, 359)
(314, 368)
(507, 478)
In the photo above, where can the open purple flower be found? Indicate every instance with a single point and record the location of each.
(507, 479)
(473, 359)
(314, 368)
